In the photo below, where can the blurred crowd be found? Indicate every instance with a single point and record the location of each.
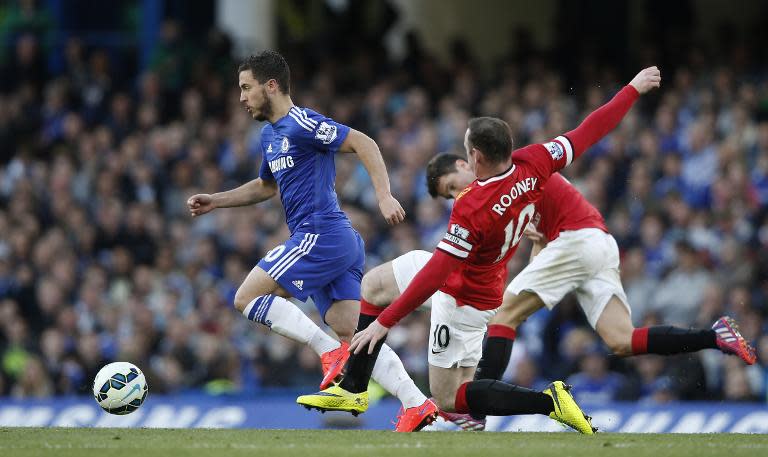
(100, 261)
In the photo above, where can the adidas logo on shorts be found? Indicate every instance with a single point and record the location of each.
(299, 283)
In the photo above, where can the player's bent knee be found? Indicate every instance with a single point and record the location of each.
(510, 317)
(615, 327)
(370, 285)
(516, 309)
(373, 288)
(621, 349)
(241, 300)
(620, 345)
(256, 284)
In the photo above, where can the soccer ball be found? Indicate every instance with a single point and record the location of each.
(120, 388)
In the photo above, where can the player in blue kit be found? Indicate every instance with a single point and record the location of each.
(324, 256)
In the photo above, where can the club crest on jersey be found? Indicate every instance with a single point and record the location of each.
(555, 150)
(459, 231)
(285, 145)
(325, 133)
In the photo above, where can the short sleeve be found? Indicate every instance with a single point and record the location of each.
(265, 172)
(323, 133)
(461, 238)
(548, 158)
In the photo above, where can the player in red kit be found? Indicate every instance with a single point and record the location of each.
(581, 257)
(584, 259)
(575, 253)
(469, 266)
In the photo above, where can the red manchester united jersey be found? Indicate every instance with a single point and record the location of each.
(489, 217)
(488, 220)
(562, 207)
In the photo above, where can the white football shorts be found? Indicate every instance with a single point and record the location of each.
(407, 266)
(585, 262)
(456, 332)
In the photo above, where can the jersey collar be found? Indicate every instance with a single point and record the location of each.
(287, 116)
(497, 177)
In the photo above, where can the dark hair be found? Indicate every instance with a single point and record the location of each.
(268, 65)
(439, 166)
(492, 137)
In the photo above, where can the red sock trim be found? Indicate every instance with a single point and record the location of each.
(501, 331)
(640, 340)
(369, 309)
(460, 404)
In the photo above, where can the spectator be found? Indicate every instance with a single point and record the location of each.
(680, 293)
(594, 382)
(99, 260)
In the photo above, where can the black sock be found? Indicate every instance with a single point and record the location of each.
(667, 340)
(364, 321)
(496, 353)
(359, 367)
(496, 398)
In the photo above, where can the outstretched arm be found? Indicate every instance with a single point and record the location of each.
(608, 116)
(550, 157)
(369, 154)
(252, 192)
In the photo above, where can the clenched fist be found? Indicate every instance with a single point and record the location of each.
(647, 79)
(200, 204)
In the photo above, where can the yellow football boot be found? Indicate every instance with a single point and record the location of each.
(335, 398)
(566, 410)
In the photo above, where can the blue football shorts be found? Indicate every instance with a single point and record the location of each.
(324, 266)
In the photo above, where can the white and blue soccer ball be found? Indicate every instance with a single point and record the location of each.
(120, 388)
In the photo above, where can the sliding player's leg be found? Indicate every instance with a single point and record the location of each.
(443, 384)
(558, 269)
(379, 286)
(502, 331)
(615, 328)
(456, 341)
(605, 304)
(497, 349)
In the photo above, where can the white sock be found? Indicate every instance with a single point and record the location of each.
(286, 319)
(390, 373)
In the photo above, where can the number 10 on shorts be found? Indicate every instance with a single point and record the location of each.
(441, 337)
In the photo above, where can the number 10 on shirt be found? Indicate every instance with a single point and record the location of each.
(522, 220)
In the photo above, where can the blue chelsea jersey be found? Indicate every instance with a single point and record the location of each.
(298, 152)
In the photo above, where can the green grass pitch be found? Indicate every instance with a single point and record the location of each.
(23, 442)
